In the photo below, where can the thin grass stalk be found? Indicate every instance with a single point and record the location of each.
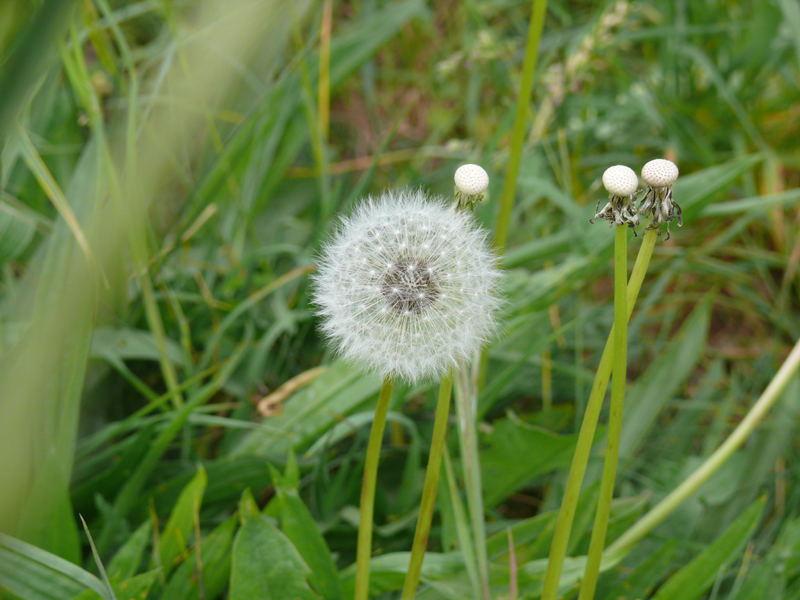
(569, 503)
(429, 489)
(466, 404)
(592, 570)
(732, 443)
(462, 527)
(364, 548)
(538, 10)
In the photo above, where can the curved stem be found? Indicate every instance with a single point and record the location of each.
(589, 583)
(364, 549)
(737, 437)
(566, 514)
(429, 489)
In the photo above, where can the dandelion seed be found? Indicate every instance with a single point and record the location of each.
(657, 204)
(621, 184)
(436, 293)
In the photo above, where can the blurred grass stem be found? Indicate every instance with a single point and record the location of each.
(566, 514)
(364, 549)
(589, 583)
(538, 10)
(428, 501)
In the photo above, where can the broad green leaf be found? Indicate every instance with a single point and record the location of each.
(16, 232)
(126, 560)
(35, 574)
(501, 470)
(181, 523)
(299, 526)
(651, 392)
(136, 587)
(692, 580)
(266, 566)
(216, 563)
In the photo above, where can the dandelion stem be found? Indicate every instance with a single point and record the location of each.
(566, 514)
(429, 490)
(364, 549)
(589, 583)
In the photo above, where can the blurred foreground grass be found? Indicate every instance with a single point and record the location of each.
(167, 172)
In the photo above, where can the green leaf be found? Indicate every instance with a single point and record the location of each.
(266, 566)
(126, 560)
(693, 579)
(136, 587)
(181, 522)
(301, 529)
(16, 232)
(502, 471)
(35, 574)
(131, 344)
(662, 380)
(216, 565)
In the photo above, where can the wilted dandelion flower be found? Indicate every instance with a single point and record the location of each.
(407, 286)
(621, 184)
(657, 204)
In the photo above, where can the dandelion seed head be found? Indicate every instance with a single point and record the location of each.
(423, 300)
(620, 180)
(660, 172)
(471, 180)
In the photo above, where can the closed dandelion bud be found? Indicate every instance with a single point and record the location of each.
(621, 184)
(658, 204)
(407, 286)
(471, 181)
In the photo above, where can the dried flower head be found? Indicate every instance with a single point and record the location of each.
(657, 204)
(471, 181)
(621, 183)
(407, 286)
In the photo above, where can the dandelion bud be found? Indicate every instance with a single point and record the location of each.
(407, 286)
(621, 183)
(657, 204)
(471, 181)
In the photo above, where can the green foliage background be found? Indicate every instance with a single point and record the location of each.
(167, 174)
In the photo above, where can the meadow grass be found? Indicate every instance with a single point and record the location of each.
(168, 172)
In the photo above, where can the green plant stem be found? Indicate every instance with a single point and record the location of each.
(466, 404)
(364, 549)
(566, 514)
(732, 443)
(429, 489)
(620, 360)
(538, 10)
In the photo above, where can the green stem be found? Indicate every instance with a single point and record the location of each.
(538, 9)
(566, 514)
(737, 437)
(466, 402)
(429, 489)
(589, 583)
(364, 549)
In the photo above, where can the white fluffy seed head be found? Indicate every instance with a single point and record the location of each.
(471, 180)
(660, 172)
(620, 180)
(407, 286)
